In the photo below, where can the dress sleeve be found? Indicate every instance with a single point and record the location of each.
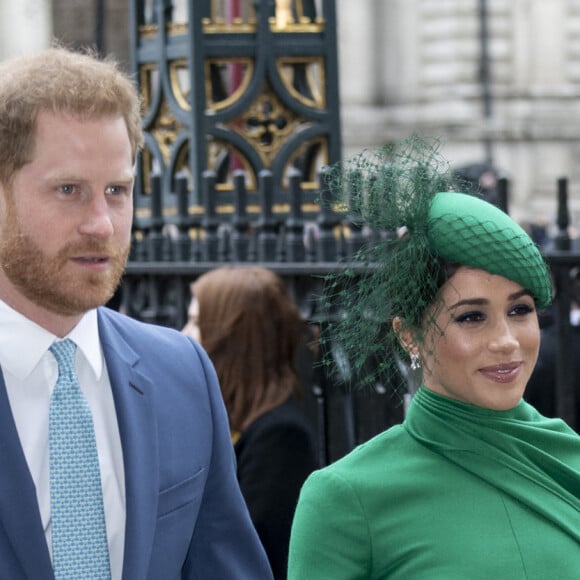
(330, 537)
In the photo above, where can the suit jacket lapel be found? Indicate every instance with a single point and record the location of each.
(19, 513)
(138, 431)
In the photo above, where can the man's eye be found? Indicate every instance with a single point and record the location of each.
(115, 190)
(68, 188)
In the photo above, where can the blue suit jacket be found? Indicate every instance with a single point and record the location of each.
(186, 518)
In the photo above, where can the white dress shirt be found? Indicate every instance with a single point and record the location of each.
(30, 372)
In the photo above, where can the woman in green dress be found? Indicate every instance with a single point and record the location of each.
(475, 483)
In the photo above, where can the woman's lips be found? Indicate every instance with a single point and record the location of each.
(502, 373)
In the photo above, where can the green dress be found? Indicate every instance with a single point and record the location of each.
(454, 492)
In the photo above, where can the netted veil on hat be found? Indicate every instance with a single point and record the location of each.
(417, 217)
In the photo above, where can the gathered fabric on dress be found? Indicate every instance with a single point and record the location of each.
(534, 459)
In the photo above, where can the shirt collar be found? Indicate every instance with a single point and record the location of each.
(86, 336)
(23, 342)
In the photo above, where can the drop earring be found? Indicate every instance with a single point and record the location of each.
(415, 361)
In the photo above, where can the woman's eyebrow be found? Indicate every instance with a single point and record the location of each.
(483, 301)
(470, 302)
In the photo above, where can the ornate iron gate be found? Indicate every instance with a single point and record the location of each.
(241, 115)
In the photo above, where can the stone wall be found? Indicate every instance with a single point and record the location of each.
(414, 66)
(24, 25)
(75, 23)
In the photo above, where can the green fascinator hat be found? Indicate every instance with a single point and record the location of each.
(415, 219)
(466, 230)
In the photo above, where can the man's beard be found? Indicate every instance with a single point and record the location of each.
(46, 280)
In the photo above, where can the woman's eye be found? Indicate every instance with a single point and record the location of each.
(471, 316)
(522, 309)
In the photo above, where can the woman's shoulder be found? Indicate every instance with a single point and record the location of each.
(386, 444)
(379, 459)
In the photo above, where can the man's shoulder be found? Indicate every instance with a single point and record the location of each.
(142, 335)
(156, 351)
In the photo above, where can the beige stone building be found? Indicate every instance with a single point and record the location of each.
(415, 66)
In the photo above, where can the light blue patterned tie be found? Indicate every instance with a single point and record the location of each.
(79, 538)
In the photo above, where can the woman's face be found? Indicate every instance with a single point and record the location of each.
(482, 344)
(192, 326)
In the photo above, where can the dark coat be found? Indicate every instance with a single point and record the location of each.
(275, 454)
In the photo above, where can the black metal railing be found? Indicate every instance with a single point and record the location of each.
(170, 251)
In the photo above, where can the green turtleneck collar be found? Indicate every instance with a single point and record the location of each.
(522, 453)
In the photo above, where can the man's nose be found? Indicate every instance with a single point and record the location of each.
(97, 220)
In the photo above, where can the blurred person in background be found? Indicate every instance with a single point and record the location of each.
(247, 322)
